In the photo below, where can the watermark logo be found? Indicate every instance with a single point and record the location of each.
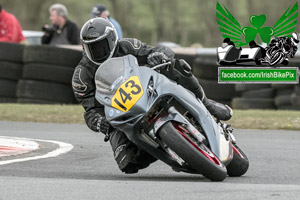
(267, 46)
(231, 28)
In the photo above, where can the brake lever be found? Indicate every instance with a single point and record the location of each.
(161, 65)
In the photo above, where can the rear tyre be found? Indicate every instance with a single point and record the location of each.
(199, 157)
(239, 164)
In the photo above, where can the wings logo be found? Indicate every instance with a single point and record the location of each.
(268, 45)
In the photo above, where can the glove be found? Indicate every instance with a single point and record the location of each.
(157, 58)
(103, 125)
(98, 123)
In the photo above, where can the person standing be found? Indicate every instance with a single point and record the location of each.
(62, 30)
(101, 11)
(10, 28)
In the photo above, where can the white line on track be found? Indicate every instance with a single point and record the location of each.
(63, 148)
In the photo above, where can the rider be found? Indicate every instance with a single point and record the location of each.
(100, 42)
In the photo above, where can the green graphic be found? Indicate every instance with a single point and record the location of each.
(230, 27)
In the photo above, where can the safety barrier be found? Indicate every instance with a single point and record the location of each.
(42, 74)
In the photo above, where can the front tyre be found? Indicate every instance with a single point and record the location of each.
(198, 156)
(239, 164)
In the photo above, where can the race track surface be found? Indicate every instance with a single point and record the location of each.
(89, 171)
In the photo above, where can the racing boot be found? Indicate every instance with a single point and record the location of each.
(128, 156)
(218, 110)
(182, 74)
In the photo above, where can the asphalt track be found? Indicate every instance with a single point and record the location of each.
(90, 172)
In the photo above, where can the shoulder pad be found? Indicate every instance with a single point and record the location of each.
(134, 43)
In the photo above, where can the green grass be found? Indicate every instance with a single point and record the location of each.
(42, 113)
(242, 119)
(266, 119)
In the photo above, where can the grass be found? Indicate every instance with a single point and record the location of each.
(42, 113)
(242, 119)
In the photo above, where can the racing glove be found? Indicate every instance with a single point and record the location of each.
(98, 123)
(103, 125)
(157, 58)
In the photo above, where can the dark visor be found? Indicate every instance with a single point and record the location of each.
(99, 50)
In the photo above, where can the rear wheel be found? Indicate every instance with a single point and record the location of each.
(198, 156)
(239, 164)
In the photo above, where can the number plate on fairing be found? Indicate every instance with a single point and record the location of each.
(128, 94)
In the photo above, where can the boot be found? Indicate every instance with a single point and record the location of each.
(218, 110)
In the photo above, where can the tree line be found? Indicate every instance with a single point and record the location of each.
(188, 22)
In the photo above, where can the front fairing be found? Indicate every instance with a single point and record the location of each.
(119, 118)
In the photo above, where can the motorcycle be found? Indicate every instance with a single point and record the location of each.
(167, 120)
(279, 50)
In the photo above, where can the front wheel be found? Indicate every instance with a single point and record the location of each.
(239, 164)
(198, 156)
(276, 58)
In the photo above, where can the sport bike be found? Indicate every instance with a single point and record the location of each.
(167, 120)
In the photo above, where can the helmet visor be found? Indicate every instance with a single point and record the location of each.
(99, 50)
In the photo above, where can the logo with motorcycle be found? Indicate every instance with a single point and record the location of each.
(267, 45)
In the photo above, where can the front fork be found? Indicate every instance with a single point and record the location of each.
(227, 129)
(190, 128)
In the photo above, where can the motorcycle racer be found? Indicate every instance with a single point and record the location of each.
(100, 42)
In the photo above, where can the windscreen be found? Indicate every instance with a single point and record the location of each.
(110, 74)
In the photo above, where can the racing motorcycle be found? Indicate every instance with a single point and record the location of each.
(280, 49)
(167, 120)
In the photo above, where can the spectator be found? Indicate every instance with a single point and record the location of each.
(62, 30)
(10, 29)
(101, 11)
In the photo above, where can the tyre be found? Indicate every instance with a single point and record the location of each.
(47, 72)
(282, 86)
(261, 93)
(295, 99)
(297, 90)
(252, 103)
(10, 70)
(199, 157)
(55, 92)
(8, 88)
(247, 87)
(214, 90)
(283, 100)
(8, 100)
(51, 55)
(239, 164)
(205, 68)
(276, 59)
(11, 52)
(281, 92)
